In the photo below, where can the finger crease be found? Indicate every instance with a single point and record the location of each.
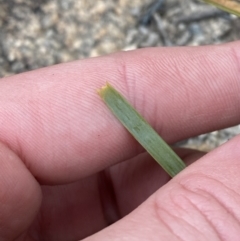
(108, 198)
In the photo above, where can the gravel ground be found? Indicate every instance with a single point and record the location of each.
(34, 34)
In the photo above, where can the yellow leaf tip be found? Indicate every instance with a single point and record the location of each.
(102, 90)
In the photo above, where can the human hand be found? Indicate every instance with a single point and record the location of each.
(69, 168)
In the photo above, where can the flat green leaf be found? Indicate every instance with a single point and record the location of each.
(141, 130)
(231, 6)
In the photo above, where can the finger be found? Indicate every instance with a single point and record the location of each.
(20, 196)
(69, 212)
(201, 203)
(99, 200)
(54, 120)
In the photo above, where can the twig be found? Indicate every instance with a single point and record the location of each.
(153, 8)
(199, 16)
(164, 35)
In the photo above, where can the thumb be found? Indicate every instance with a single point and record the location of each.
(20, 196)
(201, 203)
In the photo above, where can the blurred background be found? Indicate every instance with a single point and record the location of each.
(34, 34)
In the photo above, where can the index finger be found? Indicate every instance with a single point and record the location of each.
(54, 120)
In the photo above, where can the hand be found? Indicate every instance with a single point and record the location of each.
(69, 169)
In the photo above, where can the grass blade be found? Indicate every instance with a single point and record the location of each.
(231, 6)
(141, 130)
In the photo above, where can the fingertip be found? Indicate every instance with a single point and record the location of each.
(20, 196)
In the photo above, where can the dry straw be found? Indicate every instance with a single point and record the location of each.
(231, 6)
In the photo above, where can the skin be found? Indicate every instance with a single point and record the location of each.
(69, 168)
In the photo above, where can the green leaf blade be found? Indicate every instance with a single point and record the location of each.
(142, 131)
